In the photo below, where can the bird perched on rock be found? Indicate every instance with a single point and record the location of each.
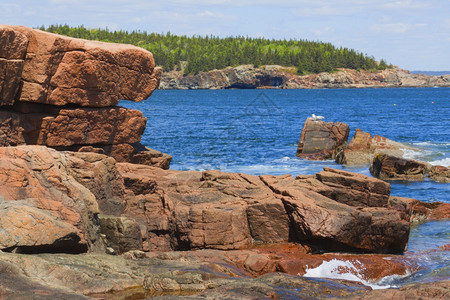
(317, 118)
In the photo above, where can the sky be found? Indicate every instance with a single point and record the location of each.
(415, 35)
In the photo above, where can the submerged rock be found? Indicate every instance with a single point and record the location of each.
(321, 140)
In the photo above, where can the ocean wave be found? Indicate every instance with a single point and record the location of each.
(346, 270)
(430, 144)
(414, 154)
(441, 162)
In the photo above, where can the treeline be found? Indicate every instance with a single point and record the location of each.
(205, 53)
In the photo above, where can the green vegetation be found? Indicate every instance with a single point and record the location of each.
(205, 53)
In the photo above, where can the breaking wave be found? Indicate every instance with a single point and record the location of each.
(346, 270)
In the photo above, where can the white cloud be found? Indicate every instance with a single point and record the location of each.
(395, 27)
(323, 31)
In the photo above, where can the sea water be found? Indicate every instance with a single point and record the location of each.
(257, 132)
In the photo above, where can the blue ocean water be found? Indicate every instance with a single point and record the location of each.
(257, 132)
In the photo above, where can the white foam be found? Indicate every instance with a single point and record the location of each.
(346, 270)
(413, 154)
(431, 144)
(442, 162)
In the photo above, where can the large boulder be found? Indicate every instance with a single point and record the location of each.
(388, 167)
(321, 140)
(60, 92)
(362, 147)
(328, 224)
(59, 70)
(29, 229)
(38, 179)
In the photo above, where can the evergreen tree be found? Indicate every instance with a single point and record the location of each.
(204, 53)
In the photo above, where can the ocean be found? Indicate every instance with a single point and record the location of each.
(257, 132)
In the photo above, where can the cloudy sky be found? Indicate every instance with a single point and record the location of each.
(413, 34)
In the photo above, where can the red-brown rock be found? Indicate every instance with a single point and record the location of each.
(57, 127)
(131, 153)
(388, 167)
(38, 177)
(13, 46)
(59, 70)
(362, 147)
(331, 225)
(98, 173)
(440, 174)
(220, 210)
(321, 140)
(204, 209)
(26, 227)
(354, 189)
(425, 291)
(417, 211)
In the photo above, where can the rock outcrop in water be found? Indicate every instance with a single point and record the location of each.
(61, 92)
(321, 140)
(249, 77)
(362, 147)
(390, 167)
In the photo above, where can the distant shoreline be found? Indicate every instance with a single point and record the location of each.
(278, 77)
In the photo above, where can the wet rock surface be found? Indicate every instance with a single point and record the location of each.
(390, 167)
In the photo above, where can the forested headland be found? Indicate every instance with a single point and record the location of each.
(204, 53)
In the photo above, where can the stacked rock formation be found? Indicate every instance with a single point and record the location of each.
(62, 92)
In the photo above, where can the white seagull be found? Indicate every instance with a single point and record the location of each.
(317, 118)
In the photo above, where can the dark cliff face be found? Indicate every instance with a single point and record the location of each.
(249, 77)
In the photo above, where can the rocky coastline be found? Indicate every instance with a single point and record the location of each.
(320, 140)
(278, 77)
(88, 212)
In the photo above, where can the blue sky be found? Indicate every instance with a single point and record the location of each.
(414, 35)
